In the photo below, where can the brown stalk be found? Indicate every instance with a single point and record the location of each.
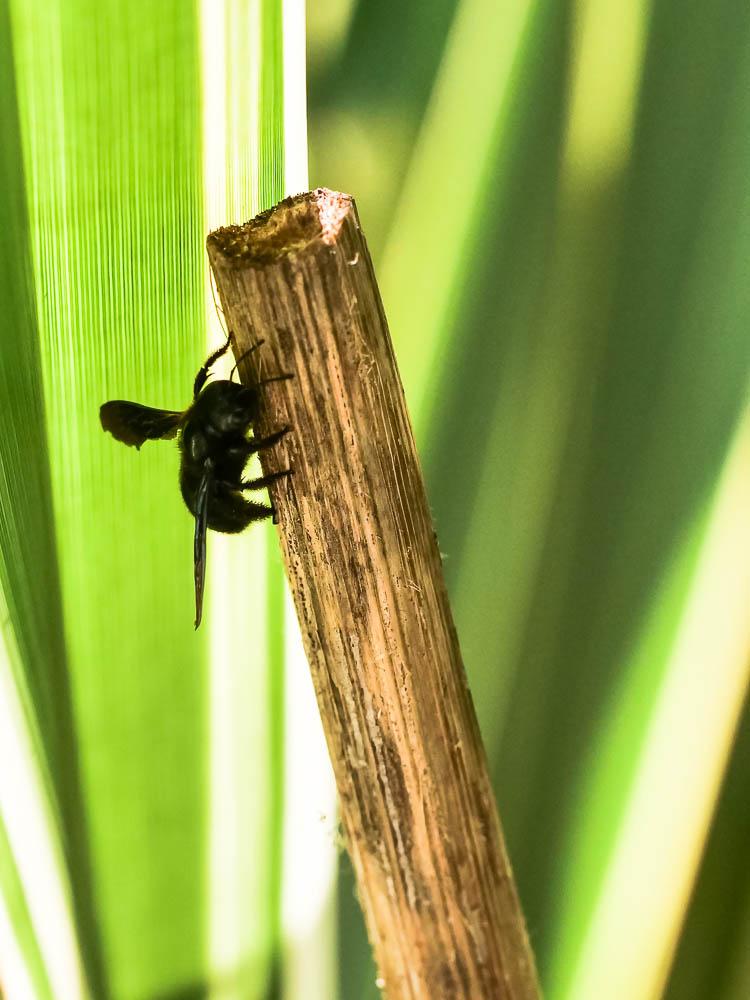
(360, 551)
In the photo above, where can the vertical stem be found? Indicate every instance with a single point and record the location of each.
(365, 571)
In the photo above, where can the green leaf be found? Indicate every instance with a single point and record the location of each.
(122, 697)
(567, 300)
(114, 185)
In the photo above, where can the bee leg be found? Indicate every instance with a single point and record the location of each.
(283, 377)
(200, 378)
(258, 444)
(253, 484)
(262, 481)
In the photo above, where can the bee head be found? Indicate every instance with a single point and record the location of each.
(228, 406)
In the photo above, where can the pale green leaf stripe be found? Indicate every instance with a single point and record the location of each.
(308, 853)
(23, 975)
(271, 97)
(109, 105)
(440, 210)
(242, 166)
(612, 764)
(251, 754)
(271, 190)
(649, 875)
(310, 839)
(33, 857)
(713, 958)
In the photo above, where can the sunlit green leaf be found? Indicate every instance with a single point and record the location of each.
(110, 270)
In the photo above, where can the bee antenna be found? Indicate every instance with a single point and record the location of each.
(243, 356)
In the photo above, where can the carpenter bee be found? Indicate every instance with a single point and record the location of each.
(214, 450)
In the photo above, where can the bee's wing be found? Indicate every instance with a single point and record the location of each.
(199, 543)
(133, 423)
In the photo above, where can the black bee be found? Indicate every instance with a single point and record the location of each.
(214, 449)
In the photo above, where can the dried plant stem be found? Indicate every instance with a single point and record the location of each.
(363, 563)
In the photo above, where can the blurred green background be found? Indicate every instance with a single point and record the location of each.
(556, 194)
